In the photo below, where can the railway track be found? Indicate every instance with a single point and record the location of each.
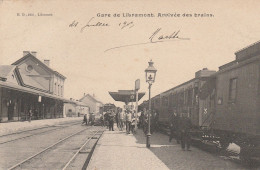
(64, 153)
(36, 129)
(33, 132)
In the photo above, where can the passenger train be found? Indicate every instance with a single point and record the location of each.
(223, 105)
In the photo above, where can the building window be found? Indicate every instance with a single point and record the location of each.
(61, 91)
(232, 89)
(29, 68)
(58, 90)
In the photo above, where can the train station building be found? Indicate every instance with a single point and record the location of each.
(29, 83)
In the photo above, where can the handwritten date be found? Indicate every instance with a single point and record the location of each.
(93, 23)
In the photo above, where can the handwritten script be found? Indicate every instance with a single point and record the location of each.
(96, 24)
(156, 37)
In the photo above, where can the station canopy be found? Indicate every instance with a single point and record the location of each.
(126, 96)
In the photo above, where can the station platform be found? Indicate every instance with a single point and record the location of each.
(13, 127)
(117, 150)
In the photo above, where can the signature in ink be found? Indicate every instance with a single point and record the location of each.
(159, 38)
(94, 24)
(156, 37)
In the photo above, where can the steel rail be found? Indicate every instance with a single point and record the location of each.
(20, 163)
(35, 133)
(43, 127)
(73, 157)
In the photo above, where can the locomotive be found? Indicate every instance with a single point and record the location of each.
(224, 105)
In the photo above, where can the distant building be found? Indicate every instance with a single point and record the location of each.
(30, 84)
(70, 110)
(93, 104)
(75, 109)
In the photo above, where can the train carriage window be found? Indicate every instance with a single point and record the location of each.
(174, 100)
(189, 97)
(232, 89)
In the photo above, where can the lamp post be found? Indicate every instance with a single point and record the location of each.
(150, 74)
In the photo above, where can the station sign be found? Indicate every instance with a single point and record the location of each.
(132, 97)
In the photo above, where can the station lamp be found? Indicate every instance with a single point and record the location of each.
(150, 74)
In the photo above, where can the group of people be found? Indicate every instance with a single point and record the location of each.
(180, 126)
(122, 118)
(154, 119)
(91, 120)
(109, 119)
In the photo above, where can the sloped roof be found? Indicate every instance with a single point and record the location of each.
(5, 70)
(91, 98)
(44, 65)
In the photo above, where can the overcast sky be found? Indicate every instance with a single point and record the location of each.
(82, 57)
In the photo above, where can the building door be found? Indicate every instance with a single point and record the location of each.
(11, 110)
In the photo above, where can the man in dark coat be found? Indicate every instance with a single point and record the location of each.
(117, 120)
(111, 121)
(174, 127)
(106, 117)
(85, 120)
(185, 126)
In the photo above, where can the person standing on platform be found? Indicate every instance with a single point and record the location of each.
(185, 126)
(141, 117)
(111, 121)
(85, 119)
(174, 125)
(124, 120)
(30, 115)
(117, 120)
(102, 120)
(171, 122)
(121, 120)
(106, 117)
(128, 122)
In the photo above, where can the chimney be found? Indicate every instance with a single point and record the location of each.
(47, 62)
(34, 53)
(25, 53)
(84, 94)
(93, 94)
(70, 98)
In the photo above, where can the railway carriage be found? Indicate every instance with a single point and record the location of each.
(224, 106)
(237, 117)
(183, 99)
